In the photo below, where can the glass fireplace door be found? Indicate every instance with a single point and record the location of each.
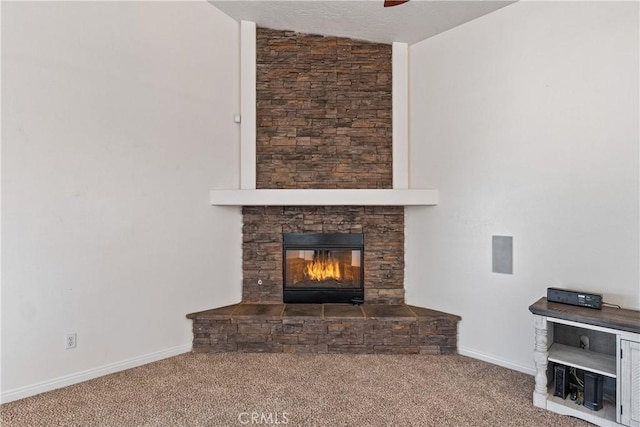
(323, 267)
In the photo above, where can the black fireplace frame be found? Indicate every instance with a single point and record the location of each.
(322, 241)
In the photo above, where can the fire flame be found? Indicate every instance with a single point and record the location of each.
(323, 270)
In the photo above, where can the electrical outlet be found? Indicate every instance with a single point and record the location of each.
(71, 341)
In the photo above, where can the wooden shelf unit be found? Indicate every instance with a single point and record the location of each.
(615, 330)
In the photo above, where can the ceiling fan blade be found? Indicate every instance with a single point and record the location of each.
(389, 3)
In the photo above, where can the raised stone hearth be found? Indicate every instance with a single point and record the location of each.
(325, 328)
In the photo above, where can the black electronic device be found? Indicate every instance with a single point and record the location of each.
(581, 299)
(561, 380)
(593, 386)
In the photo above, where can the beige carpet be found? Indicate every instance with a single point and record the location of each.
(295, 390)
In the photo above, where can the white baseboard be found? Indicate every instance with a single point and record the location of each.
(67, 380)
(497, 361)
(31, 390)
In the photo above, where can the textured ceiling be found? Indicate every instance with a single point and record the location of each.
(365, 19)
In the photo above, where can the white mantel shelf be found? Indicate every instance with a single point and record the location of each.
(325, 197)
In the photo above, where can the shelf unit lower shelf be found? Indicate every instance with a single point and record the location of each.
(605, 416)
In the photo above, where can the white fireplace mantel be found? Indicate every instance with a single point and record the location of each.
(325, 197)
(248, 195)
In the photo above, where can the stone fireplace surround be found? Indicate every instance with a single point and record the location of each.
(323, 120)
(382, 226)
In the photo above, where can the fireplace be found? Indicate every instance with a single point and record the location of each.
(323, 268)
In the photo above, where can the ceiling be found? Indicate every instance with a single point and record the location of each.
(364, 19)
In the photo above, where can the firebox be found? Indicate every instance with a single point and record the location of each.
(323, 268)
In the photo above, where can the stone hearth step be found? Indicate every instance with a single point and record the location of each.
(324, 328)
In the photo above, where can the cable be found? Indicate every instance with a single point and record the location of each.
(611, 305)
(572, 371)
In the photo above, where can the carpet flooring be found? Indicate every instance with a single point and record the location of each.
(235, 389)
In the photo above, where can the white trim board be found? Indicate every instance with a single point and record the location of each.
(247, 104)
(78, 377)
(463, 351)
(400, 114)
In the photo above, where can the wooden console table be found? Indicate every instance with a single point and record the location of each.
(614, 352)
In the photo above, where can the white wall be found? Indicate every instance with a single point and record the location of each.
(526, 120)
(117, 121)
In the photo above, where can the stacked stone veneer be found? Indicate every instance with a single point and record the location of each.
(323, 121)
(325, 336)
(323, 112)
